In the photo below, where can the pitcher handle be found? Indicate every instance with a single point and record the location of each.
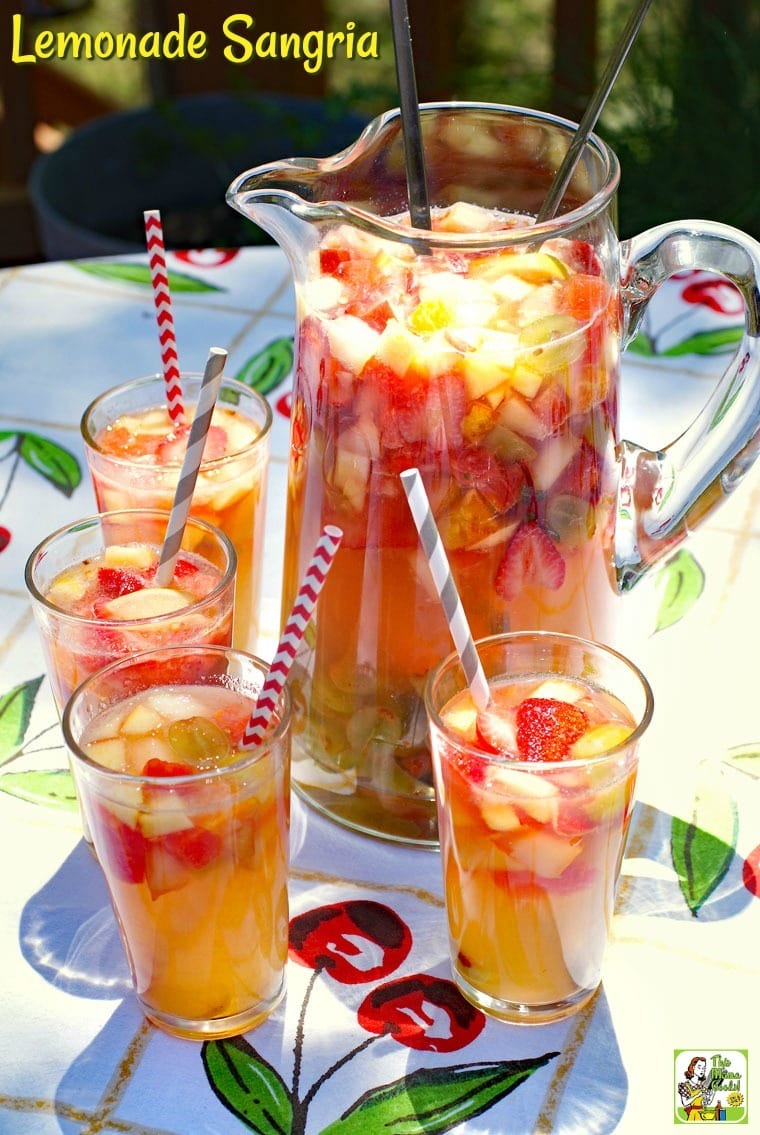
(662, 495)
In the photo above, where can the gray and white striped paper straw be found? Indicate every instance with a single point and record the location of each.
(430, 538)
(212, 378)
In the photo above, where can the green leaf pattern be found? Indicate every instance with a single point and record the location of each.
(265, 370)
(56, 464)
(248, 1086)
(139, 274)
(54, 787)
(703, 845)
(681, 581)
(433, 1100)
(15, 711)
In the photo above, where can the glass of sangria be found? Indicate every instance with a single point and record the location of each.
(535, 793)
(94, 599)
(134, 453)
(190, 830)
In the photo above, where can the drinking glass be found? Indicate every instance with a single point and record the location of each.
(190, 830)
(533, 830)
(134, 453)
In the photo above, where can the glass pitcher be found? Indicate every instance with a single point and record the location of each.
(485, 353)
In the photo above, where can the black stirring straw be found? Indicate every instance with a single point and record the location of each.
(416, 180)
(592, 112)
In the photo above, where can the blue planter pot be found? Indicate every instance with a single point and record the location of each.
(179, 157)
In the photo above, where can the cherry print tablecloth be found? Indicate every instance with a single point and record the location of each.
(370, 1037)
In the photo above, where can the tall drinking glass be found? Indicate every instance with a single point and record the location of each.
(134, 453)
(191, 831)
(534, 796)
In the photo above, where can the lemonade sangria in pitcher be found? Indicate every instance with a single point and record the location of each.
(484, 352)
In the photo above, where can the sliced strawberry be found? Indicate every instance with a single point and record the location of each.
(496, 731)
(374, 314)
(470, 768)
(363, 276)
(216, 443)
(163, 873)
(573, 819)
(531, 559)
(582, 477)
(499, 484)
(171, 449)
(113, 582)
(577, 254)
(330, 260)
(196, 846)
(122, 847)
(552, 406)
(158, 767)
(582, 296)
(547, 727)
(183, 567)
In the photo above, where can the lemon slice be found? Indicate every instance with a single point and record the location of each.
(599, 739)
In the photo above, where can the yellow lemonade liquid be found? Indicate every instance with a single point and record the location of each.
(196, 867)
(531, 849)
(495, 375)
(135, 463)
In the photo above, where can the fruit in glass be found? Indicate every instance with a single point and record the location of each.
(494, 373)
(94, 597)
(134, 453)
(191, 831)
(535, 792)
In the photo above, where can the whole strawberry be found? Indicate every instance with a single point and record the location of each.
(547, 727)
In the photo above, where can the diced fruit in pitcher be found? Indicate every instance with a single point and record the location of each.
(495, 376)
(531, 559)
(533, 267)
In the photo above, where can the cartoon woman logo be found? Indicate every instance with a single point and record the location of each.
(697, 1090)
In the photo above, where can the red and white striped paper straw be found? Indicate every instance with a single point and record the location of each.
(154, 236)
(432, 545)
(305, 602)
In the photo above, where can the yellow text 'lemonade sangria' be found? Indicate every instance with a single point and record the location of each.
(495, 374)
(134, 451)
(535, 792)
(191, 831)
